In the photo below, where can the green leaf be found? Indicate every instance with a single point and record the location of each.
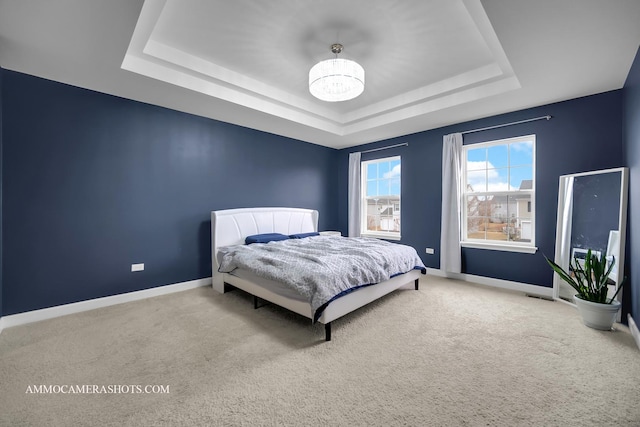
(590, 278)
(563, 275)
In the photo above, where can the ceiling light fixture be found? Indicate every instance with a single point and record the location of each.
(336, 79)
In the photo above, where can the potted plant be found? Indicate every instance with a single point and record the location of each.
(590, 277)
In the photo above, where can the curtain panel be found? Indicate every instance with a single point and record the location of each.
(450, 252)
(354, 194)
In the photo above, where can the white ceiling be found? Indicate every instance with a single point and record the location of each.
(428, 63)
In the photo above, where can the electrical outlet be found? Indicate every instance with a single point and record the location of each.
(137, 267)
(430, 251)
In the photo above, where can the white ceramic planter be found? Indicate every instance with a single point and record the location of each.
(596, 315)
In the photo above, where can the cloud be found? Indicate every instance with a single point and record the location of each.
(500, 186)
(482, 167)
(477, 171)
(393, 172)
(524, 146)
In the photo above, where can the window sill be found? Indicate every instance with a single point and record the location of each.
(383, 236)
(499, 247)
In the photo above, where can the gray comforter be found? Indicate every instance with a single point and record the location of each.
(322, 268)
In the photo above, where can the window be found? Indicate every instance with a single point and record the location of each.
(380, 205)
(498, 205)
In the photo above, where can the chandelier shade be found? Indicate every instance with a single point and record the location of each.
(337, 79)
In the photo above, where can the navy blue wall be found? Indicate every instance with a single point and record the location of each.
(631, 97)
(94, 183)
(584, 134)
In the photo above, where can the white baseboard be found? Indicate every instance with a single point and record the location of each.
(540, 291)
(77, 307)
(634, 330)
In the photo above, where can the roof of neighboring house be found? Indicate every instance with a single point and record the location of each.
(526, 184)
(388, 211)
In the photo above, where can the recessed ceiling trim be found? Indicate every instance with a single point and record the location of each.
(164, 62)
(209, 70)
(224, 78)
(482, 22)
(186, 80)
(436, 104)
(430, 99)
(426, 93)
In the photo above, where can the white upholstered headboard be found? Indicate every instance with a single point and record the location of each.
(231, 226)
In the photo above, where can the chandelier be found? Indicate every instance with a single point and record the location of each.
(336, 79)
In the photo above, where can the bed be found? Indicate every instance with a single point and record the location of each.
(230, 227)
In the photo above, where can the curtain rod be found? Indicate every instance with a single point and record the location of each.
(507, 124)
(384, 148)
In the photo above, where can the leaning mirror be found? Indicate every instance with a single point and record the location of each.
(592, 214)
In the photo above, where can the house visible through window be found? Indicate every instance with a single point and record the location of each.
(381, 198)
(499, 192)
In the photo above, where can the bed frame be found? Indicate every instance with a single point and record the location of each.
(231, 226)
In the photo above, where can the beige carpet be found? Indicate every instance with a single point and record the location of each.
(451, 354)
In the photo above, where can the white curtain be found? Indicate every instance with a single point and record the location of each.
(564, 254)
(563, 244)
(450, 254)
(354, 194)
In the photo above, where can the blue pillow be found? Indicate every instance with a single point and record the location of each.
(303, 235)
(265, 238)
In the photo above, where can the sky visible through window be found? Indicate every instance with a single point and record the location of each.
(500, 167)
(383, 178)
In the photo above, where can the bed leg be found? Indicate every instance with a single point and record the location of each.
(417, 283)
(255, 302)
(327, 332)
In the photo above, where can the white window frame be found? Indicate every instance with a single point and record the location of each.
(388, 235)
(510, 246)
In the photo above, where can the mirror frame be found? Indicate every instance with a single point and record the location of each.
(622, 225)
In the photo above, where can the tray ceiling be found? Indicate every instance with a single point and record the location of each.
(428, 63)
